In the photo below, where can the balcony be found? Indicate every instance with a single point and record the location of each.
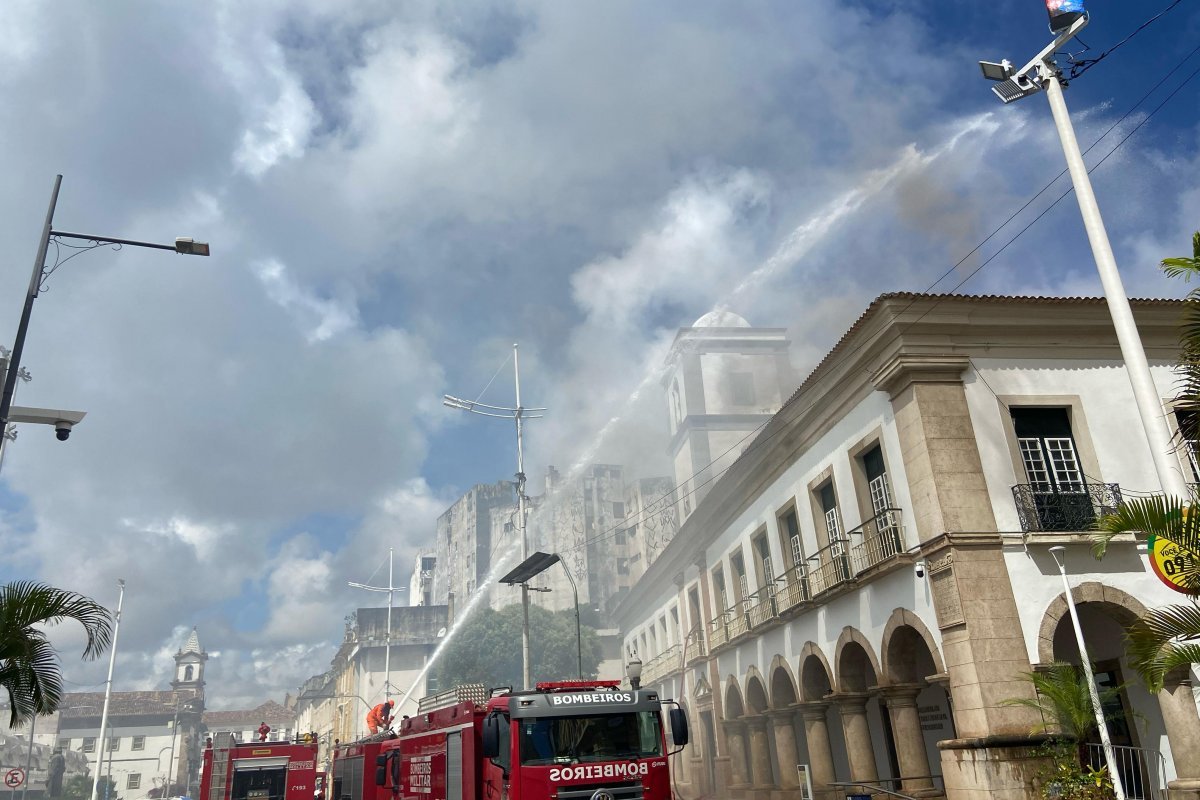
(694, 648)
(829, 567)
(879, 539)
(1043, 508)
(662, 665)
(717, 630)
(793, 589)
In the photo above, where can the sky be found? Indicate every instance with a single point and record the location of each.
(396, 193)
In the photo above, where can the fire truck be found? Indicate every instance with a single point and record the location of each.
(569, 740)
(258, 770)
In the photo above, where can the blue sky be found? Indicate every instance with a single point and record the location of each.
(395, 193)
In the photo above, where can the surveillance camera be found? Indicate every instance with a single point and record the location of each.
(62, 429)
(919, 568)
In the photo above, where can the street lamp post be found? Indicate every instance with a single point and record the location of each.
(391, 589)
(1042, 74)
(535, 565)
(41, 271)
(112, 660)
(1059, 552)
(519, 414)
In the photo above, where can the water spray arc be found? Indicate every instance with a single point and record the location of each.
(518, 413)
(798, 243)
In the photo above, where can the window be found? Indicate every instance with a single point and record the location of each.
(739, 389)
(789, 531)
(139, 743)
(833, 520)
(739, 569)
(762, 553)
(65, 744)
(133, 781)
(722, 596)
(877, 481)
(1056, 498)
(89, 744)
(676, 406)
(618, 511)
(188, 673)
(114, 744)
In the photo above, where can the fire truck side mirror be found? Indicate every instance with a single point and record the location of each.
(381, 775)
(489, 746)
(679, 726)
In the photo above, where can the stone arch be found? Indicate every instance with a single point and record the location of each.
(756, 692)
(815, 676)
(1123, 607)
(857, 665)
(734, 706)
(783, 684)
(901, 635)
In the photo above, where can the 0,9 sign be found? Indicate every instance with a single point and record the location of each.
(1174, 565)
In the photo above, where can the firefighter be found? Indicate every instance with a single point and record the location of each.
(380, 716)
(263, 730)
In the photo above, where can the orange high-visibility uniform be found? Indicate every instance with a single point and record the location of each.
(379, 716)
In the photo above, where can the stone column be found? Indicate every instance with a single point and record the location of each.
(735, 741)
(816, 733)
(760, 753)
(859, 751)
(783, 724)
(901, 702)
(1178, 705)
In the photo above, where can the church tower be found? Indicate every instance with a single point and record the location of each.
(723, 380)
(189, 667)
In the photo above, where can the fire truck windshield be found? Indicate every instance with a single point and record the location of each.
(599, 737)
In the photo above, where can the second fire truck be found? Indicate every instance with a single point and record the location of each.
(561, 741)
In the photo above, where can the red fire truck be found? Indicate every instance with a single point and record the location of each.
(258, 770)
(589, 740)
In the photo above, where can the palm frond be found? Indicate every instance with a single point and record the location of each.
(1064, 701)
(1158, 515)
(1163, 639)
(27, 603)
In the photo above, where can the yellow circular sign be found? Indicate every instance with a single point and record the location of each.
(1174, 565)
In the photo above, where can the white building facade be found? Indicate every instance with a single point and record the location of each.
(860, 595)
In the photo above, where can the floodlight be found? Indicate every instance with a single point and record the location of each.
(997, 71)
(1016, 88)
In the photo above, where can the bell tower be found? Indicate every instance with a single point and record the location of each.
(723, 380)
(189, 666)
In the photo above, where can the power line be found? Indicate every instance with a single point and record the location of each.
(1083, 65)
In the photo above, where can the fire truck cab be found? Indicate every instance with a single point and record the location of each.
(560, 741)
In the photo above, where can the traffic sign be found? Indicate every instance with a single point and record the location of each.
(14, 777)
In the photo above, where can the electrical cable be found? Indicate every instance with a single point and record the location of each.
(1081, 66)
(625, 523)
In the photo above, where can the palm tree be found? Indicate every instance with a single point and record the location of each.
(1065, 703)
(29, 668)
(1167, 638)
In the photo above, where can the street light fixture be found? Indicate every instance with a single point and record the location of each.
(391, 589)
(517, 413)
(535, 565)
(634, 670)
(42, 271)
(1042, 74)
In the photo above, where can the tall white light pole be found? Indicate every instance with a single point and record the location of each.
(1042, 74)
(391, 589)
(519, 413)
(112, 660)
(1059, 552)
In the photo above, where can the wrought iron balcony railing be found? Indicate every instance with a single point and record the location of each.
(792, 589)
(717, 630)
(1044, 508)
(695, 645)
(829, 567)
(878, 539)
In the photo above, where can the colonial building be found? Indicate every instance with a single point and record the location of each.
(864, 590)
(154, 738)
